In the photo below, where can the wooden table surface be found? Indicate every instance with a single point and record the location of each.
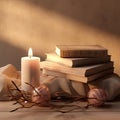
(111, 111)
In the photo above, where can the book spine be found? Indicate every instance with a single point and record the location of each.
(91, 77)
(100, 74)
(90, 61)
(76, 77)
(77, 62)
(80, 71)
(82, 53)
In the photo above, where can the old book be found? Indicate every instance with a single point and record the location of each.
(80, 51)
(79, 78)
(76, 62)
(80, 71)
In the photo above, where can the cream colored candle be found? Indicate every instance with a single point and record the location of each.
(30, 71)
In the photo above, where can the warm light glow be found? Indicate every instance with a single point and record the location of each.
(57, 51)
(30, 52)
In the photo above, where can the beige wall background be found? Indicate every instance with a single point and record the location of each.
(41, 24)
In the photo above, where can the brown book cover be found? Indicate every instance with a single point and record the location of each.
(80, 71)
(76, 62)
(78, 78)
(69, 51)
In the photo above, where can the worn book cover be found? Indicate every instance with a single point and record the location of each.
(80, 51)
(76, 62)
(83, 79)
(80, 71)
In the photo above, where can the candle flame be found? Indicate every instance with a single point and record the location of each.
(30, 52)
(58, 51)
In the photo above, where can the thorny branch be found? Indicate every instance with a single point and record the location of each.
(24, 101)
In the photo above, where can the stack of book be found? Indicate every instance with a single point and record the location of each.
(78, 63)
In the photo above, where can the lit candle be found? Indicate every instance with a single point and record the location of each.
(30, 71)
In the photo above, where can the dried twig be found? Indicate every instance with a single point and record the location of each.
(22, 95)
(33, 88)
(24, 102)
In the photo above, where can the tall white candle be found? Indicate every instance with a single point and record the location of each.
(30, 71)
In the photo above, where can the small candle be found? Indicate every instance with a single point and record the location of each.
(30, 71)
